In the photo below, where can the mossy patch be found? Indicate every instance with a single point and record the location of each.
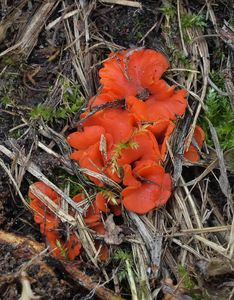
(220, 113)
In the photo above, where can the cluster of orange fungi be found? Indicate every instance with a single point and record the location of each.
(128, 144)
(50, 226)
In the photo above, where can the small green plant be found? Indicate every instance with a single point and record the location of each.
(8, 60)
(48, 113)
(179, 58)
(188, 283)
(185, 277)
(62, 178)
(62, 250)
(168, 10)
(110, 196)
(7, 101)
(42, 111)
(117, 152)
(192, 20)
(72, 102)
(231, 22)
(122, 256)
(220, 114)
(126, 145)
(71, 92)
(16, 134)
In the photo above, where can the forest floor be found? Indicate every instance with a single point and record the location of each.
(50, 54)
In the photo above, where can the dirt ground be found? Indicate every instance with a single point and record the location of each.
(50, 54)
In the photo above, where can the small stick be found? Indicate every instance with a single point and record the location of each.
(88, 283)
(66, 16)
(180, 29)
(124, 2)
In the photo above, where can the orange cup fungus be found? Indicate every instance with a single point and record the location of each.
(50, 225)
(126, 144)
(135, 136)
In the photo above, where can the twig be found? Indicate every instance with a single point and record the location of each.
(185, 232)
(66, 16)
(223, 180)
(88, 282)
(204, 54)
(63, 216)
(180, 29)
(229, 80)
(123, 2)
(219, 249)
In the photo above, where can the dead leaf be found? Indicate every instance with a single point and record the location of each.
(114, 233)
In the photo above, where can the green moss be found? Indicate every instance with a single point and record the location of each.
(188, 283)
(117, 152)
(16, 134)
(110, 196)
(42, 111)
(6, 100)
(231, 22)
(168, 10)
(72, 102)
(192, 20)
(184, 275)
(220, 113)
(178, 58)
(121, 256)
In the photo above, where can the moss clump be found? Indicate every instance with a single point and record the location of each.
(122, 256)
(72, 102)
(184, 275)
(192, 20)
(188, 283)
(220, 114)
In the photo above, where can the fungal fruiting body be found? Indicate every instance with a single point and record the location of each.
(62, 243)
(128, 144)
(135, 136)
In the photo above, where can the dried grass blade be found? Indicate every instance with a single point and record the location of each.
(135, 4)
(223, 179)
(59, 212)
(221, 250)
